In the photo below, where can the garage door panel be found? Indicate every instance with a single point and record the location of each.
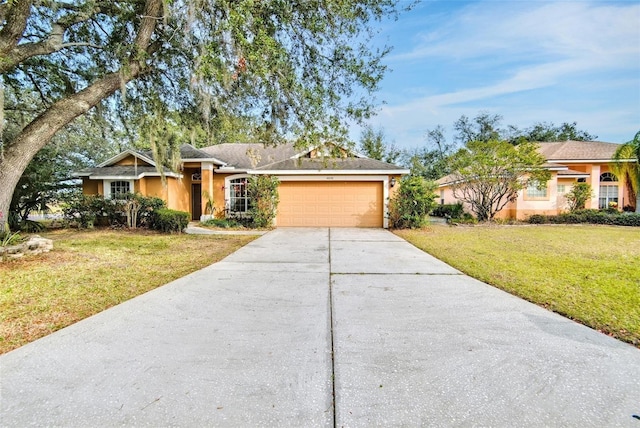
(330, 204)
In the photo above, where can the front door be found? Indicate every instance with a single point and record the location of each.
(196, 201)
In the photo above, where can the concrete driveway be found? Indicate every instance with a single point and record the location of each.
(270, 335)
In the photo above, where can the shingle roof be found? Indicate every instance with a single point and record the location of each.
(236, 154)
(123, 171)
(578, 150)
(187, 151)
(334, 164)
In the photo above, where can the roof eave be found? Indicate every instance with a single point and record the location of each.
(212, 160)
(330, 172)
(132, 177)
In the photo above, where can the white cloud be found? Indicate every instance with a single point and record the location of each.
(526, 49)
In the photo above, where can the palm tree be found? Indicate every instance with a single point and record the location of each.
(629, 172)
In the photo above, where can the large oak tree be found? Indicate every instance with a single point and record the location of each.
(291, 68)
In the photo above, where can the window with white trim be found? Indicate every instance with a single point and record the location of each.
(238, 198)
(562, 188)
(536, 189)
(608, 196)
(119, 188)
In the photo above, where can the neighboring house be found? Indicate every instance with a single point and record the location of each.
(569, 162)
(316, 190)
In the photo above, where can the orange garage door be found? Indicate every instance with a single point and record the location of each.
(330, 204)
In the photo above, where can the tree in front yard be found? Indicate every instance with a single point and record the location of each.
(411, 204)
(489, 174)
(578, 196)
(629, 172)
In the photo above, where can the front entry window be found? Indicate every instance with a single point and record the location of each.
(238, 199)
(120, 188)
(608, 196)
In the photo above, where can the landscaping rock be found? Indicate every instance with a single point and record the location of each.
(35, 245)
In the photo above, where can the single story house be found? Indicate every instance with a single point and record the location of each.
(569, 162)
(316, 189)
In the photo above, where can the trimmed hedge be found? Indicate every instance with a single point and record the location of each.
(448, 210)
(169, 221)
(588, 216)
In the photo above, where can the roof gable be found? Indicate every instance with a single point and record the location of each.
(129, 152)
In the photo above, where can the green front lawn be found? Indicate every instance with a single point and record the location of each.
(88, 272)
(587, 273)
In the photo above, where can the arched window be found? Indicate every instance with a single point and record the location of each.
(238, 199)
(607, 176)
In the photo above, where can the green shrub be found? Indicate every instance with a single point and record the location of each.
(8, 238)
(31, 226)
(448, 210)
(90, 210)
(81, 209)
(589, 216)
(263, 194)
(412, 202)
(537, 219)
(169, 221)
(225, 223)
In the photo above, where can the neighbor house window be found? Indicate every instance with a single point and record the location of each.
(238, 199)
(536, 190)
(119, 188)
(608, 196)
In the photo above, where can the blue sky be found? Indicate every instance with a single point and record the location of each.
(529, 61)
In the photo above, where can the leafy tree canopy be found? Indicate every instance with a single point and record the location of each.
(302, 69)
(489, 174)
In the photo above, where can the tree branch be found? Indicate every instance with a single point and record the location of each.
(16, 21)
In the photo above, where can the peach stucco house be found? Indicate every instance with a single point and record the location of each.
(569, 162)
(315, 189)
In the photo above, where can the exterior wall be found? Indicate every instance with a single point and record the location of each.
(218, 194)
(179, 194)
(152, 186)
(91, 187)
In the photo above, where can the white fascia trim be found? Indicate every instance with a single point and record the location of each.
(133, 177)
(590, 161)
(207, 166)
(123, 155)
(573, 176)
(325, 172)
(205, 160)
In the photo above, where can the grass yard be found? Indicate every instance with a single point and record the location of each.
(90, 271)
(587, 273)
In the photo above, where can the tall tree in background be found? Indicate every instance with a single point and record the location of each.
(374, 145)
(543, 131)
(629, 172)
(484, 127)
(432, 160)
(297, 68)
(489, 174)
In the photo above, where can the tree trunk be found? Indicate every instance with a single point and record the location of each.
(39, 132)
(17, 155)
